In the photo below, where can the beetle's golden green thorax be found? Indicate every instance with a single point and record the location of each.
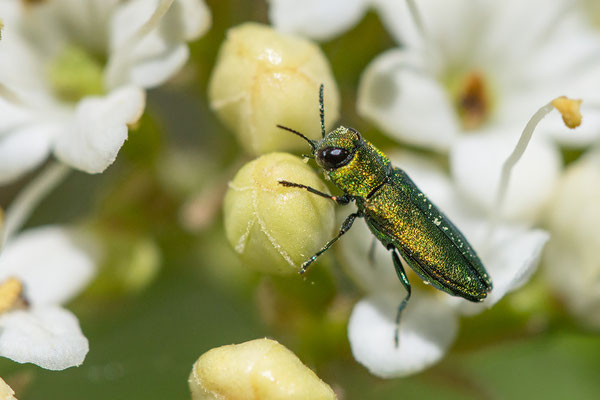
(353, 164)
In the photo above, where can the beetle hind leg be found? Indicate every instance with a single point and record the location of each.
(404, 279)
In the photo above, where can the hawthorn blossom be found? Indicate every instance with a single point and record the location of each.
(40, 269)
(74, 72)
(429, 323)
(468, 77)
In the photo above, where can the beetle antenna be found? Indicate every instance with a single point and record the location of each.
(311, 142)
(322, 110)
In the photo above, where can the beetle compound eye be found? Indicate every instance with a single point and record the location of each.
(334, 157)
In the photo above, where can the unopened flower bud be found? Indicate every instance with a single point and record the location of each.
(571, 257)
(272, 227)
(264, 78)
(6, 392)
(260, 369)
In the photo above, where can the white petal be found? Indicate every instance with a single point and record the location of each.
(511, 257)
(156, 69)
(22, 64)
(94, 138)
(476, 162)
(193, 17)
(52, 266)
(159, 54)
(427, 329)
(397, 19)
(451, 28)
(407, 102)
(47, 336)
(23, 149)
(316, 19)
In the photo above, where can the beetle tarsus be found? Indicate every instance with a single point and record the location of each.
(341, 200)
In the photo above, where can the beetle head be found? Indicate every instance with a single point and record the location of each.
(337, 148)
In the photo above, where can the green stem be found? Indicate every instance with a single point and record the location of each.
(28, 199)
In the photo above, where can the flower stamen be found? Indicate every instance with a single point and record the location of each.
(569, 108)
(11, 295)
(473, 101)
(572, 118)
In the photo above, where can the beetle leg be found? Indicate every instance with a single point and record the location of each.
(402, 275)
(341, 200)
(345, 227)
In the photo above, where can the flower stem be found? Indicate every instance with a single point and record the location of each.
(26, 201)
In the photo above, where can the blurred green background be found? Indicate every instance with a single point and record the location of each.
(171, 288)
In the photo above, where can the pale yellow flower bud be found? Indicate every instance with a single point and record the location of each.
(263, 78)
(275, 228)
(260, 369)
(571, 256)
(6, 392)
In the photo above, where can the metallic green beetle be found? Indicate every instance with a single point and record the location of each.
(399, 215)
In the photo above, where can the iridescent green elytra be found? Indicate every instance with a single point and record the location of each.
(400, 216)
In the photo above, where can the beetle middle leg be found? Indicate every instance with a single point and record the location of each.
(346, 225)
(371, 254)
(341, 200)
(404, 279)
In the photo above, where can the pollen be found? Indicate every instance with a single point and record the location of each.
(569, 109)
(11, 291)
(473, 100)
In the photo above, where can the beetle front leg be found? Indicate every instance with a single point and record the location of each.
(404, 279)
(345, 228)
(341, 200)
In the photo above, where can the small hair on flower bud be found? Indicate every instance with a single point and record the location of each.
(569, 109)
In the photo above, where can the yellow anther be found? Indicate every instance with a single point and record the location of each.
(569, 109)
(10, 294)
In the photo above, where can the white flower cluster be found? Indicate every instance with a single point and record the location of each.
(466, 79)
(73, 75)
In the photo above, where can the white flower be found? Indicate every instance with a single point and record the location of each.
(467, 79)
(323, 19)
(52, 269)
(73, 75)
(429, 323)
(571, 259)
